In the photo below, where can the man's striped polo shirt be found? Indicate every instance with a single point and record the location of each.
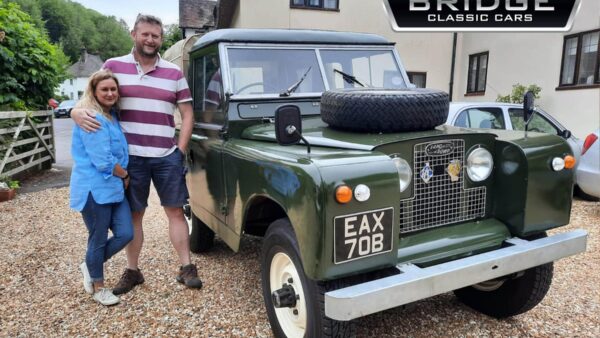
(147, 104)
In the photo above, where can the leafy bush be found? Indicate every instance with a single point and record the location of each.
(30, 66)
(518, 91)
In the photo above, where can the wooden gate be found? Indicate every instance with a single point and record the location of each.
(26, 141)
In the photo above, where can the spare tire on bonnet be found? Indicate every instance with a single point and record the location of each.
(384, 110)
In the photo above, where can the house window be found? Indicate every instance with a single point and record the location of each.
(419, 79)
(315, 4)
(71, 82)
(581, 59)
(477, 73)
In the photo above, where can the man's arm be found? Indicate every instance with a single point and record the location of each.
(85, 119)
(187, 124)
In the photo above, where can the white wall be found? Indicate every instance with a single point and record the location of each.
(71, 90)
(513, 57)
(533, 58)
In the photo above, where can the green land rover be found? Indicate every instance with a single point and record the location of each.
(316, 141)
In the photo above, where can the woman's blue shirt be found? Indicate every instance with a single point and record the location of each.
(95, 155)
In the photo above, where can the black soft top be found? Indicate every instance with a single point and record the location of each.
(289, 36)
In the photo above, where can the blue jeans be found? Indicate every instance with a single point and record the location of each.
(99, 218)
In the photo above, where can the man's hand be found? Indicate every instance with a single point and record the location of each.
(85, 119)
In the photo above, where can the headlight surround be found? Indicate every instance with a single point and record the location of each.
(479, 164)
(404, 171)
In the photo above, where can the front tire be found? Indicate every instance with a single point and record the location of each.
(280, 266)
(509, 297)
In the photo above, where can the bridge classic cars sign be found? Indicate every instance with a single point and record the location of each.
(481, 15)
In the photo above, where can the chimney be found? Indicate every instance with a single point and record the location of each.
(83, 55)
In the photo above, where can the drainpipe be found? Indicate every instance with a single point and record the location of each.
(454, 36)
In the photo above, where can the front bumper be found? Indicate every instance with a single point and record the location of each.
(414, 283)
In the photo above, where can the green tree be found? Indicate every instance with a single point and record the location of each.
(74, 27)
(30, 66)
(172, 35)
(518, 91)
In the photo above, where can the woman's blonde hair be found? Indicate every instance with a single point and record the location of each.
(88, 100)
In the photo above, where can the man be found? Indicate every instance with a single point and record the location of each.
(150, 88)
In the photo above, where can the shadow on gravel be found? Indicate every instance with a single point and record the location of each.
(56, 177)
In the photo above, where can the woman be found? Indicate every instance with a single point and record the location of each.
(98, 182)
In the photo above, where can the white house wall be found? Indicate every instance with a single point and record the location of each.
(72, 91)
(513, 57)
(420, 52)
(533, 58)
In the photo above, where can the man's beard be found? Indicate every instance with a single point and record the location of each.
(140, 50)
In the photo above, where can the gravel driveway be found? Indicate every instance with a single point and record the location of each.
(42, 243)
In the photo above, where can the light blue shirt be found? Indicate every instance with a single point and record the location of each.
(95, 155)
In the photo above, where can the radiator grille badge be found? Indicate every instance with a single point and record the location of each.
(426, 173)
(454, 170)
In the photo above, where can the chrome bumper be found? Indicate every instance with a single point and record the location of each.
(414, 283)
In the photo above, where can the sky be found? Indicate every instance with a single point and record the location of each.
(166, 10)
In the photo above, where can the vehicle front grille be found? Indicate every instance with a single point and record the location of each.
(441, 201)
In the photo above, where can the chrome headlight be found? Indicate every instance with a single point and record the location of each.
(404, 172)
(479, 164)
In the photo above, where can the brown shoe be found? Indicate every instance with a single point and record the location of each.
(188, 275)
(129, 279)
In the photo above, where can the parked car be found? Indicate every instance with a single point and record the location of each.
(64, 108)
(588, 171)
(509, 116)
(365, 200)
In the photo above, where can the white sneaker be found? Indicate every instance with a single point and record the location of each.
(87, 280)
(106, 297)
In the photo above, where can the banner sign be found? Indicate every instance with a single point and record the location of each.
(482, 15)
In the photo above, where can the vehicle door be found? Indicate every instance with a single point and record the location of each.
(205, 179)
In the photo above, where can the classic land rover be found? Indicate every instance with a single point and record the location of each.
(317, 141)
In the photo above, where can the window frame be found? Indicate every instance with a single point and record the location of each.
(469, 78)
(574, 84)
(411, 74)
(320, 7)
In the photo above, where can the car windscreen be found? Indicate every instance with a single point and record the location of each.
(348, 68)
(67, 103)
(256, 71)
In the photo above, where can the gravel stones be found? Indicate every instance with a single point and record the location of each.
(42, 243)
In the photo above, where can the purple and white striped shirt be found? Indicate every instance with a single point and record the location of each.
(147, 103)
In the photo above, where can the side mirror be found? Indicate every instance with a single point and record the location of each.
(288, 125)
(528, 106)
(566, 133)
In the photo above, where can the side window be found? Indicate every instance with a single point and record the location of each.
(213, 95)
(490, 118)
(198, 78)
(538, 122)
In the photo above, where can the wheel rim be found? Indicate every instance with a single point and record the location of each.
(490, 285)
(292, 320)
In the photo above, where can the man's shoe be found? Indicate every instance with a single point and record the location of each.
(188, 275)
(129, 279)
(106, 297)
(87, 280)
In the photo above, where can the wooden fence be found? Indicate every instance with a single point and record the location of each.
(26, 141)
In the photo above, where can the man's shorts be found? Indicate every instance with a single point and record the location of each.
(168, 175)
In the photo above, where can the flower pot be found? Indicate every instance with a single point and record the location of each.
(7, 194)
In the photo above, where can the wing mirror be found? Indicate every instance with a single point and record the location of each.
(288, 126)
(528, 104)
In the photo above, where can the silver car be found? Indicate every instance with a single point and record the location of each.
(498, 115)
(588, 171)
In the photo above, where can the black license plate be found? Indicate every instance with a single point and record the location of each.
(363, 234)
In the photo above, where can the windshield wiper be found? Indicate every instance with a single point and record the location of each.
(350, 79)
(295, 86)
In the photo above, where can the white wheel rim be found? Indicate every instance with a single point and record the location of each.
(282, 269)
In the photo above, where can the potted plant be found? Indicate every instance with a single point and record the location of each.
(8, 189)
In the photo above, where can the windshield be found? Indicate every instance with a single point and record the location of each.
(67, 103)
(273, 71)
(370, 68)
(293, 71)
